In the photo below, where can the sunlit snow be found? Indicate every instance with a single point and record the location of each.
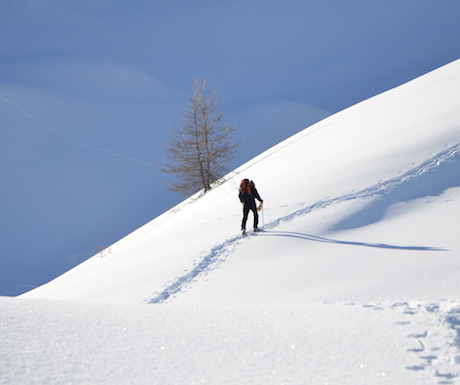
(353, 280)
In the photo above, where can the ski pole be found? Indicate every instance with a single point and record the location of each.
(261, 209)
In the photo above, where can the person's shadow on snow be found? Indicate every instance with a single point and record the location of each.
(315, 238)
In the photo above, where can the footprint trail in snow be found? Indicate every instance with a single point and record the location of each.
(218, 254)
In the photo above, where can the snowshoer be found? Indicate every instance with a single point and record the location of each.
(248, 194)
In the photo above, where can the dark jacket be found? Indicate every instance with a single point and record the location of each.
(249, 196)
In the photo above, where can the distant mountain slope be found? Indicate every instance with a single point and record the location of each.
(361, 206)
(88, 130)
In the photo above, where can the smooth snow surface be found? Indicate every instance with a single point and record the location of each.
(354, 279)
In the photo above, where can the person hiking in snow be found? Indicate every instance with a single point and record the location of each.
(248, 195)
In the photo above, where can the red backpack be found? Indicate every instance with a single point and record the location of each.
(245, 187)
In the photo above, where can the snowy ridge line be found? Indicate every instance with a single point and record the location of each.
(71, 139)
(218, 254)
(285, 143)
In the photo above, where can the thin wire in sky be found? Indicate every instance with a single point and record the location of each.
(70, 138)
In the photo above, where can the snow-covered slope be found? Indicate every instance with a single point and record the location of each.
(79, 136)
(360, 206)
(354, 279)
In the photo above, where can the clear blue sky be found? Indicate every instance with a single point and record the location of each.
(88, 87)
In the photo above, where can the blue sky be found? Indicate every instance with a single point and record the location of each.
(88, 87)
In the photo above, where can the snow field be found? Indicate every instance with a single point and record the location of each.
(354, 279)
(58, 342)
(341, 159)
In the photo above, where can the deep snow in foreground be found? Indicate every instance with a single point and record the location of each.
(56, 342)
(354, 279)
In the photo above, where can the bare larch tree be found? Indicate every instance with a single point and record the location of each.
(201, 148)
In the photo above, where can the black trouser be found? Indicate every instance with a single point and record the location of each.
(251, 205)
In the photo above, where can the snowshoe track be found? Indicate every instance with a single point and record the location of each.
(218, 254)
